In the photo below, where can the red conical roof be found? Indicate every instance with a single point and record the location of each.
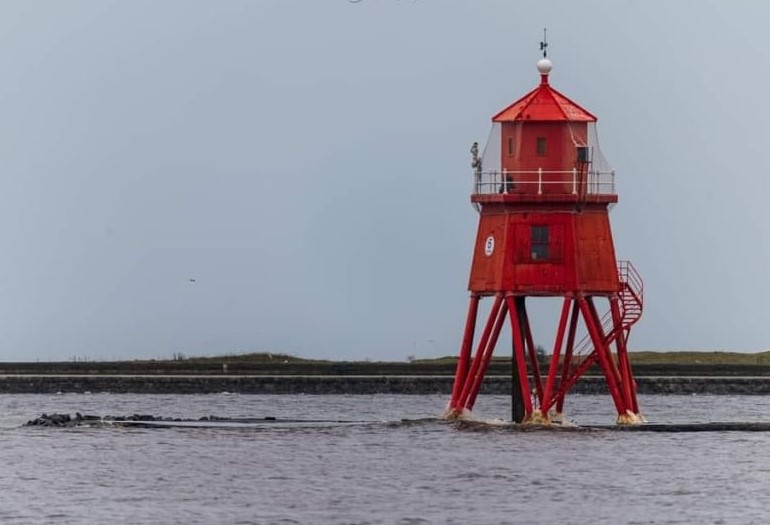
(544, 104)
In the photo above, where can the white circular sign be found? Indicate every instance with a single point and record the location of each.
(489, 246)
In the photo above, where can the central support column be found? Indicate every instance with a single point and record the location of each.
(520, 398)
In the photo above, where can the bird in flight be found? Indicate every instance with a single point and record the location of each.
(191, 280)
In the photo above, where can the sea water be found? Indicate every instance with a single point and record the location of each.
(378, 469)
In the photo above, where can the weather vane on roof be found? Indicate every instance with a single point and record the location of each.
(544, 44)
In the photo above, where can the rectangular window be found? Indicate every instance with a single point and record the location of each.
(511, 146)
(539, 243)
(542, 146)
(583, 155)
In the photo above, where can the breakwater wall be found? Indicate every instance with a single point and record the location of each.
(348, 384)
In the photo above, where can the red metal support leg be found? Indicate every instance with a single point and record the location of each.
(465, 390)
(576, 374)
(620, 346)
(486, 357)
(553, 367)
(464, 360)
(593, 324)
(632, 381)
(607, 340)
(568, 354)
(624, 363)
(518, 344)
(534, 365)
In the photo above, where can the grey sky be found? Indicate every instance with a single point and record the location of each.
(307, 163)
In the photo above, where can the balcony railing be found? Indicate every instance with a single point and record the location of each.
(545, 182)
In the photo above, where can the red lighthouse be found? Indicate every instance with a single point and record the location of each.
(543, 191)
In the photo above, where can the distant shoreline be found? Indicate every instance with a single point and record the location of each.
(679, 364)
(349, 384)
(267, 373)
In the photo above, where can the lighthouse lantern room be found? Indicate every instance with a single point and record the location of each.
(543, 191)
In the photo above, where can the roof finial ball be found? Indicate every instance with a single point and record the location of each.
(544, 66)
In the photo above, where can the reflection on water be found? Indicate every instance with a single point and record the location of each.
(427, 472)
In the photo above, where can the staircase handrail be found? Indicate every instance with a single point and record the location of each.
(628, 274)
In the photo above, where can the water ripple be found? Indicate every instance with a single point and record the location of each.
(418, 471)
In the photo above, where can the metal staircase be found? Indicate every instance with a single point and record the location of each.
(631, 297)
(630, 301)
(631, 294)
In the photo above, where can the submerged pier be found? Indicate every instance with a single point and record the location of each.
(150, 421)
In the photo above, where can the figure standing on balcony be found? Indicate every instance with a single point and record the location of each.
(476, 161)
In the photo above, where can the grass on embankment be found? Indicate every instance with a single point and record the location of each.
(700, 358)
(640, 358)
(661, 358)
(645, 363)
